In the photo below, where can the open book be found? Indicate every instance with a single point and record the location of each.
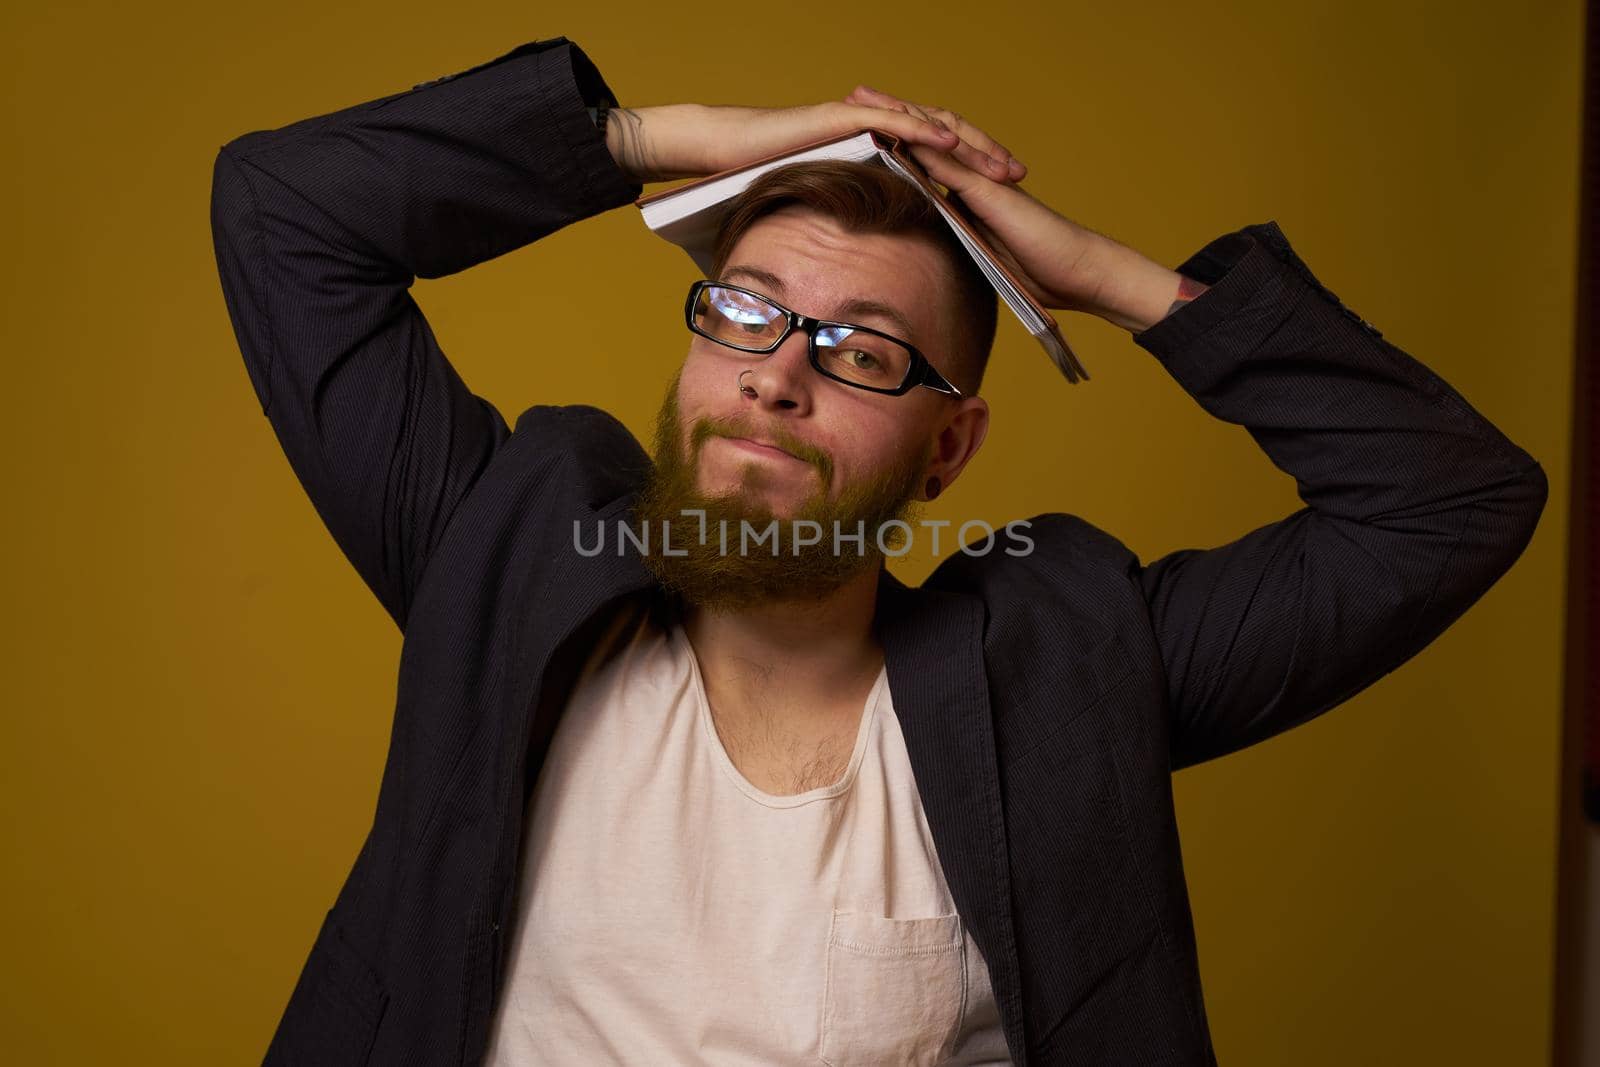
(690, 215)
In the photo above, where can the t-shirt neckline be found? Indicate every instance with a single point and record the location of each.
(708, 729)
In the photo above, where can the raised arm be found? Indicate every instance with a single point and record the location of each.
(320, 228)
(1415, 503)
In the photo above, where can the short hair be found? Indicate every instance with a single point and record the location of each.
(868, 198)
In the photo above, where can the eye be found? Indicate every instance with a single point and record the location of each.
(868, 361)
(741, 309)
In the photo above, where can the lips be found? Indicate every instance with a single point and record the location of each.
(751, 444)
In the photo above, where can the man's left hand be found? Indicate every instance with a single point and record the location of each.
(1062, 263)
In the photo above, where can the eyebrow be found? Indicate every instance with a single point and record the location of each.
(851, 308)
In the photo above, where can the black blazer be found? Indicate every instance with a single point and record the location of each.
(1045, 699)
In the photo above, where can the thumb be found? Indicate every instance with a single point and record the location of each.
(988, 205)
(981, 202)
(972, 187)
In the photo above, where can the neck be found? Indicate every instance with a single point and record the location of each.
(794, 657)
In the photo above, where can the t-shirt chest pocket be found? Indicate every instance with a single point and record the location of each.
(894, 991)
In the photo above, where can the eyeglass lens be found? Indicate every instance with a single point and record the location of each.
(741, 320)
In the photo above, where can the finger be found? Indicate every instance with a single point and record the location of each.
(967, 189)
(969, 132)
(975, 157)
(861, 94)
(977, 149)
(970, 184)
(900, 122)
(1010, 167)
(967, 153)
(978, 138)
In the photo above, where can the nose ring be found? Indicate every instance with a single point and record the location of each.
(743, 388)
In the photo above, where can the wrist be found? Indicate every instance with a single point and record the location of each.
(1137, 292)
(655, 144)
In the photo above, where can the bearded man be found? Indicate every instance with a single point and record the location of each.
(700, 805)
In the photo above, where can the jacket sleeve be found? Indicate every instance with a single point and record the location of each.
(1415, 503)
(320, 228)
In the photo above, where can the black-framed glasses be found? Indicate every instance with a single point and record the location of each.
(858, 356)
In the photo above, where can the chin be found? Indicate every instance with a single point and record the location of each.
(753, 484)
(779, 505)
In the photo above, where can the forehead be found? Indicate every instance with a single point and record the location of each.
(893, 282)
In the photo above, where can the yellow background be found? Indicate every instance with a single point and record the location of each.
(201, 687)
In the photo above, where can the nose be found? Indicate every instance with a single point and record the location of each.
(783, 378)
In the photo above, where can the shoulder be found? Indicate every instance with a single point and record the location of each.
(600, 456)
(580, 424)
(1036, 547)
(1053, 558)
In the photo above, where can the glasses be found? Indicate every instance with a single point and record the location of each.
(855, 355)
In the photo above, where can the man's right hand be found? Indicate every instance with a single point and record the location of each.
(653, 144)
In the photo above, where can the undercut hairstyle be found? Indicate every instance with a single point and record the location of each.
(867, 198)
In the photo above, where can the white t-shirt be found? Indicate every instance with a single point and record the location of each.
(671, 912)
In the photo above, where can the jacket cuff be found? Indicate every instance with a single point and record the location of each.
(1238, 332)
(1236, 267)
(1252, 270)
(568, 83)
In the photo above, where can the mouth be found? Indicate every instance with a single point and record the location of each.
(758, 448)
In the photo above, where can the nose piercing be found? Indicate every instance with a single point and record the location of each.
(743, 388)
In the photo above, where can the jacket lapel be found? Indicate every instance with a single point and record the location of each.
(933, 653)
